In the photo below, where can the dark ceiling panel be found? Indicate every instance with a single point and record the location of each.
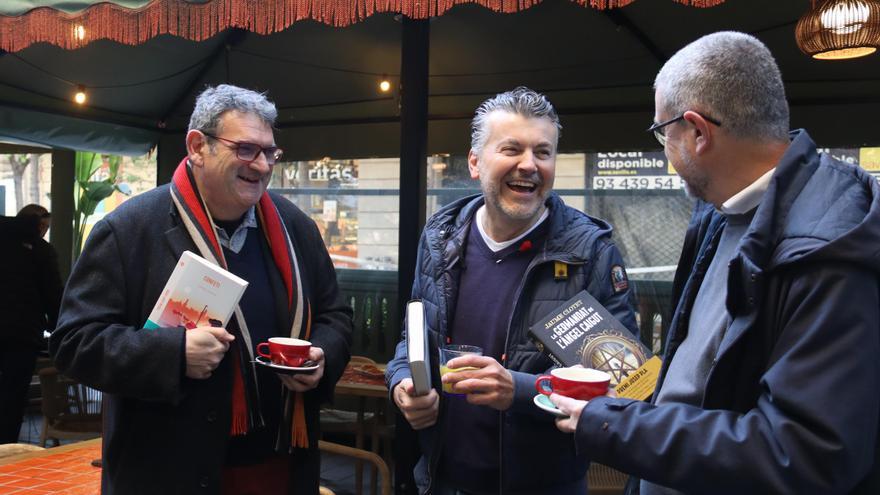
(591, 63)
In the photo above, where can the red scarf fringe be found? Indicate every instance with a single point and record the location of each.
(299, 436)
(239, 405)
(200, 21)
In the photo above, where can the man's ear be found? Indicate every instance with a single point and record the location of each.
(474, 164)
(196, 147)
(703, 132)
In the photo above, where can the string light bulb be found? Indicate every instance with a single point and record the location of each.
(384, 85)
(79, 32)
(80, 96)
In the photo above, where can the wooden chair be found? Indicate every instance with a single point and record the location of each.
(71, 411)
(350, 415)
(361, 455)
(602, 480)
(10, 449)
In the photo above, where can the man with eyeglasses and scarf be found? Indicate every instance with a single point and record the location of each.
(186, 411)
(771, 373)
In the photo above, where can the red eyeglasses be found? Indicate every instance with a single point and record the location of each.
(248, 152)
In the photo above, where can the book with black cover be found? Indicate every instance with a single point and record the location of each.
(417, 353)
(582, 331)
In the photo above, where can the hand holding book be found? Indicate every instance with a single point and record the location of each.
(420, 411)
(200, 297)
(205, 348)
(581, 331)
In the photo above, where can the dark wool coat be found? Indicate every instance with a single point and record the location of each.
(163, 432)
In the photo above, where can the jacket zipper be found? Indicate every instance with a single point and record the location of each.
(535, 262)
(434, 457)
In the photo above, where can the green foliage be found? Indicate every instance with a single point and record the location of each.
(91, 191)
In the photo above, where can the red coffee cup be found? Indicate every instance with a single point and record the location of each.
(285, 351)
(577, 383)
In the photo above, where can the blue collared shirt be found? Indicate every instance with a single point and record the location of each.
(236, 241)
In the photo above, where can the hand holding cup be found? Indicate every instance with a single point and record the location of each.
(451, 351)
(285, 351)
(303, 382)
(577, 383)
(482, 380)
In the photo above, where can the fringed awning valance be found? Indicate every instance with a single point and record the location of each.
(200, 20)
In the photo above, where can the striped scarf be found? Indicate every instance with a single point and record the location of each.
(201, 228)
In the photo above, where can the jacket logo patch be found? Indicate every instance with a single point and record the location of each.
(560, 270)
(618, 279)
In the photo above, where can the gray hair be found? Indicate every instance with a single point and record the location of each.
(521, 101)
(733, 78)
(213, 102)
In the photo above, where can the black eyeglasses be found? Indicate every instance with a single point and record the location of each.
(248, 152)
(657, 129)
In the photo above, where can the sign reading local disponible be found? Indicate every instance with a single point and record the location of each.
(646, 170)
(631, 170)
(867, 158)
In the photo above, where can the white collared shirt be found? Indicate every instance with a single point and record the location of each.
(750, 197)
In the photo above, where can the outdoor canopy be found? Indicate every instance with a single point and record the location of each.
(596, 64)
(71, 24)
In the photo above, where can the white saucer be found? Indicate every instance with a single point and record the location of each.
(284, 370)
(544, 403)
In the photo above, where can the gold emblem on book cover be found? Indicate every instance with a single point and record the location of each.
(613, 353)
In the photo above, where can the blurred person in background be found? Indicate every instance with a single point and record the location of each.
(30, 293)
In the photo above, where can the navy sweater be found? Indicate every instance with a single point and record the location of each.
(487, 290)
(253, 263)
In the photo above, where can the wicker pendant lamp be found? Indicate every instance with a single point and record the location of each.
(839, 29)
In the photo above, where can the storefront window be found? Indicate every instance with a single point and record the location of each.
(867, 158)
(637, 192)
(25, 179)
(353, 202)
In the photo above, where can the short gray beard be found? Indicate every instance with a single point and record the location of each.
(695, 187)
(493, 195)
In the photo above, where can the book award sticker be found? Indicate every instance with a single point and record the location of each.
(618, 279)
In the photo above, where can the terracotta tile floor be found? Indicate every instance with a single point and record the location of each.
(65, 470)
(337, 472)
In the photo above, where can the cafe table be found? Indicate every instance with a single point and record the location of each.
(364, 379)
(64, 470)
